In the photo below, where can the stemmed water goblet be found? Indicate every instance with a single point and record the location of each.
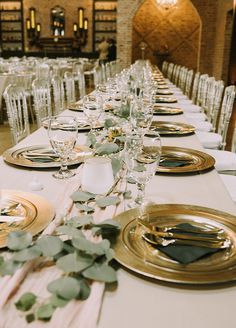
(62, 133)
(141, 115)
(93, 108)
(142, 157)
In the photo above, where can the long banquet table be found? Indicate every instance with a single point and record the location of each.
(138, 301)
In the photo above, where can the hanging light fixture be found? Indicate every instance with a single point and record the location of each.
(166, 3)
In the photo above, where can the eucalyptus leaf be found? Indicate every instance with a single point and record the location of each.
(109, 223)
(18, 240)
(109, 123)
(64, 287)
(84, 290)
(26, 301)
(27, 254)
(50, 245)
(69, 231)
(91, 140)
(9, 267)
(107, 201)
(116, 165)
(107, 149)
(30, 317)
(1, 260)
(58, 301)
(82, 196)
(100, 272)
(89, 247)
(73, 263)
(109, 254)
(96, 231)
(131, 180)
(85, 208)
(127, 194)
(121, 138)
(80, 221)
(45, 312)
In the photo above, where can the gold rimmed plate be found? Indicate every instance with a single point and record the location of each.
(163, 110)
(184, 160)
(165, 128)
(77, 107)
(165, 99)
(133, 252)
(36, 213)
(83, 125)
(164, 92)
(43, 156)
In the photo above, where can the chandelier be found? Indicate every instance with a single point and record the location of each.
(166, 3)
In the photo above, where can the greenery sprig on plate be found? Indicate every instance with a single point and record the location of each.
(80, 260)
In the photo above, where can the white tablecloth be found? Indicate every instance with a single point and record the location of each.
(139, 302)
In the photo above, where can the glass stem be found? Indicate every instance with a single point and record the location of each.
(141, 193)
(63, 165)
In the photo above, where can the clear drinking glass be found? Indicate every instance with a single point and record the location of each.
(62, 132)
(93, 108)
(141, 115)
(142, 161)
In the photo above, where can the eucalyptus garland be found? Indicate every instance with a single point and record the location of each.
(80, 260)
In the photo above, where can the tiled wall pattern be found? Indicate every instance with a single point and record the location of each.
(174, 31)
(212, 15)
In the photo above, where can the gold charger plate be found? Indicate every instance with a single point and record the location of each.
(35, 210)
(77, 107)
(163, 110)
(164, 92)
(195, 160)
(83, 125)
(17, 156)
(139, 256)
(163, 99)
(172, 128)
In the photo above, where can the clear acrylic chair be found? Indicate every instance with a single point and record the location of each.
(97, 76)
(42, 99)
(188, 84)
(70, 87)
(58, 94)
(218, 140)
(17, 112)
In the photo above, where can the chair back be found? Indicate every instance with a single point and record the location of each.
(17, 112)
(170, 71)
(70, 87)
(58, 94)
(195, 87)
(81, 85)
(188, 83)
(43, 71)
(164, 67)
(97, 73)
(225, 113)
(42, 99)
(201, 93)
(214, 102)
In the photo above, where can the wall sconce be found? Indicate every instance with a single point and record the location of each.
(80, 29)
(33, 29)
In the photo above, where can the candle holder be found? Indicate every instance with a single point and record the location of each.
(33, 28)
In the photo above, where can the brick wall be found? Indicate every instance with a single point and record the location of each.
(212, 46)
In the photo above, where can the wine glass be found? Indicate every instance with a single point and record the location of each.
(93, 107)
(62, 132)
(141, 115)
(142, 160)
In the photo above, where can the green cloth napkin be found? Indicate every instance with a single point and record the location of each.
(185, 254)
(174, 163)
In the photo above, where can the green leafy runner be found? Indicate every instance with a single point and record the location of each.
(79, 259)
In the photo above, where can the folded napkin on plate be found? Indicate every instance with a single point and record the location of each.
(185, 254)
(174, 163)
